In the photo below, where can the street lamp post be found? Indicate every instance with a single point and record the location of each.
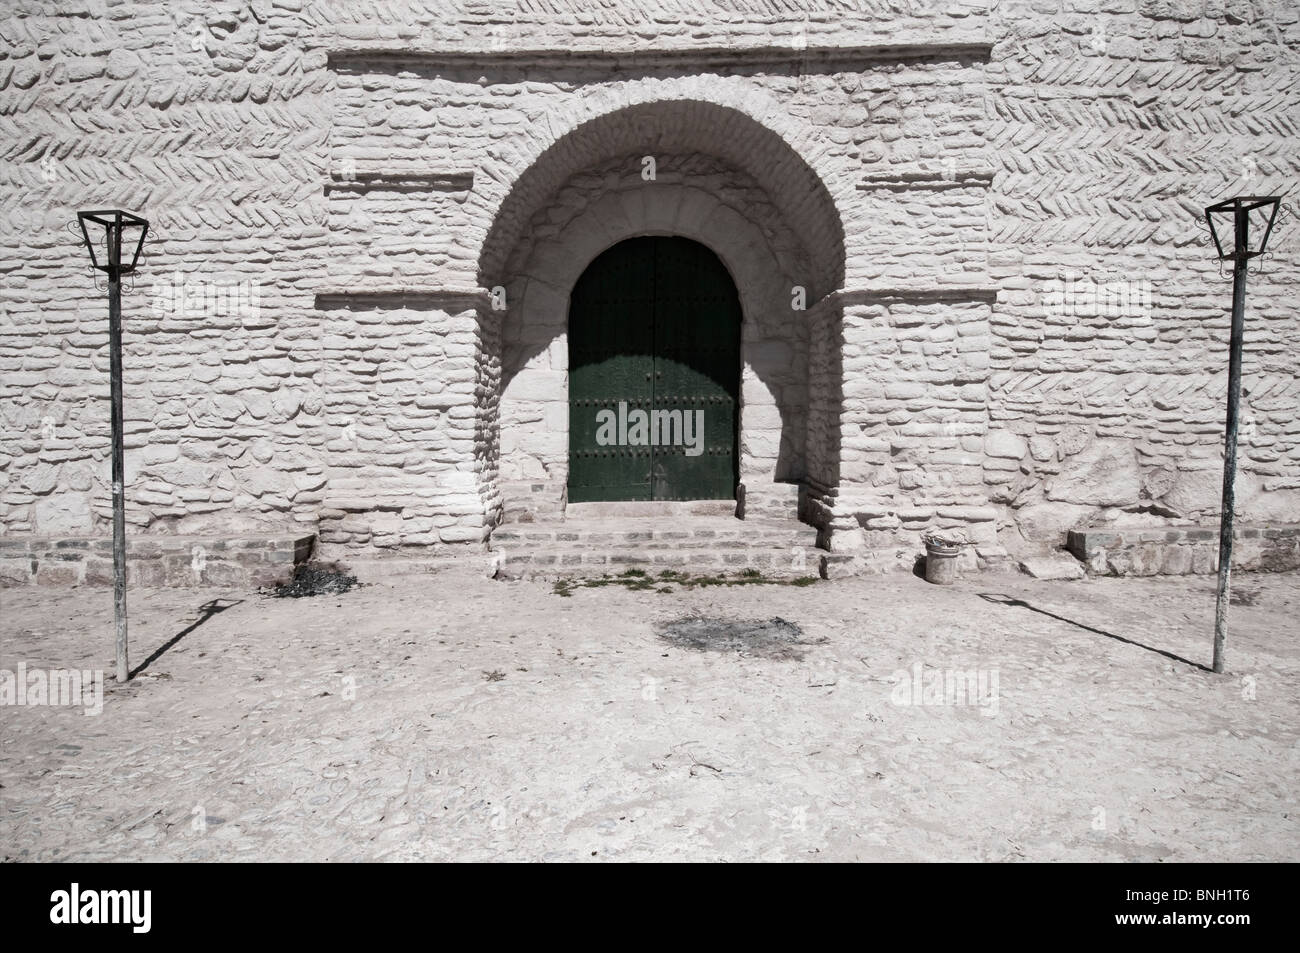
(103, 233)
(1239, 211)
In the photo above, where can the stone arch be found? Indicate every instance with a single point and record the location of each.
(751, 133)
(585, 194)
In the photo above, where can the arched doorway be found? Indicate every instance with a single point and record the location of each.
(654, 374)
(725, 179)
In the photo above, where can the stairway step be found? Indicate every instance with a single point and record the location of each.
(699, 562)
(697, 544)
(502, 541)
(602, 533)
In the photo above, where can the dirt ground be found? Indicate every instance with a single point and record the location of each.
(452, 717)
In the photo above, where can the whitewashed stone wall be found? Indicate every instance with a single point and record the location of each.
(915, 420)
(406, 382)
(337, 188)
(1112, 126)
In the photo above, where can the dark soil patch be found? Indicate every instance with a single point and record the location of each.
(1242, 597)
(767, 638)
(316, 579)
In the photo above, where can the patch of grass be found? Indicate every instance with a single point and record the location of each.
(705, 581)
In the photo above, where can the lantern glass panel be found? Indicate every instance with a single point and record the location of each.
(1261, 223)
(1221, 229)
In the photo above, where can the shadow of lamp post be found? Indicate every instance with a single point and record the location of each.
(1239, 215)
(105, 232)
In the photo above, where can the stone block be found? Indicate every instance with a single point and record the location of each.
(1005, 444)
(15, 571)
(58, 574)
(1052, 567)
(1105, 473)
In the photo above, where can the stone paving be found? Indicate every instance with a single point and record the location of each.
(449, 716)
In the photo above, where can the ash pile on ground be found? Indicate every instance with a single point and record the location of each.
(768, 638)
(316, 579)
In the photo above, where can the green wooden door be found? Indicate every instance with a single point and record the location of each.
(654, 374)
(611, 367)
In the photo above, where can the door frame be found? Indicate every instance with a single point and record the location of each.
(728, 390)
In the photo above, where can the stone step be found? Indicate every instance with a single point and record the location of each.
(699, 545)
(649, 509)
(870, 562)
(698, 532)
(655, 545)
(781, 563)
(1184, 550)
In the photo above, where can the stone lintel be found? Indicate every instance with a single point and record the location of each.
(394, 180)
(363, 298)
(927, 180)
(919, 293)
(391, 57)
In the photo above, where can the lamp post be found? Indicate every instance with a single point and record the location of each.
(1242, 212)
(103, 233)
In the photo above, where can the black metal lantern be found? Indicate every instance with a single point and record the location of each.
(1250, 218)
(111, 230)
(1243, 215)
(105, 233)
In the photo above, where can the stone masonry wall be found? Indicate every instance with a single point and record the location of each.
(210, 121)
(1003, 210)
(823, 216)
(1111, 126)
(915, 419)
(404, 381)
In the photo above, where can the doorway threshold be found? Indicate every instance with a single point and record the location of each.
(649, 509)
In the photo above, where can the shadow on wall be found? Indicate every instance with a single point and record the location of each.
(825, 410)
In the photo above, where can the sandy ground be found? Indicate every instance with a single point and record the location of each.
(453, 717)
